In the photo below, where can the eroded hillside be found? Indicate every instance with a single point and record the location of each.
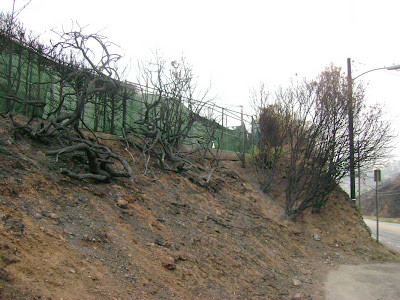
(169, 236)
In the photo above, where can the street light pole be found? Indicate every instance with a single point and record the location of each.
(351, 122)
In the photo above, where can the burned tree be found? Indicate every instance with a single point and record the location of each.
(273, 122)
(170, 111)
(210, 139)
(89, 72)
(318, 138)
(373, 136)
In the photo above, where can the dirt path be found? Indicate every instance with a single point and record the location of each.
(373, 281)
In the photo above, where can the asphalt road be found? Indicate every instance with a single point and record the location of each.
(389, 233)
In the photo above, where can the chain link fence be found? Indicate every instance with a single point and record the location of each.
(27, 74)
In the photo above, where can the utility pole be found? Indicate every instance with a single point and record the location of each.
(350, 80)
(252, 133)
(351, 131)
(243, 137)
(359, 186)
(222, 132)
(359, 175)
(377, 178)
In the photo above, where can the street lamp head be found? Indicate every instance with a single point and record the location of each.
(391, 68)
(395, 67)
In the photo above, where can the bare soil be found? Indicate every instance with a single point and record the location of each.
(171, 236)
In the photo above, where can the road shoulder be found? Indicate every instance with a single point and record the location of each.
(371, 281)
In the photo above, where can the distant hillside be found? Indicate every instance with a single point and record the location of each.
(389, 199)
(389, 171)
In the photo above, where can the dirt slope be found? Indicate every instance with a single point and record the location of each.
(170, 238)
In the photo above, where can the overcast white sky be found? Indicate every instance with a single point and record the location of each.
(237, 44)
